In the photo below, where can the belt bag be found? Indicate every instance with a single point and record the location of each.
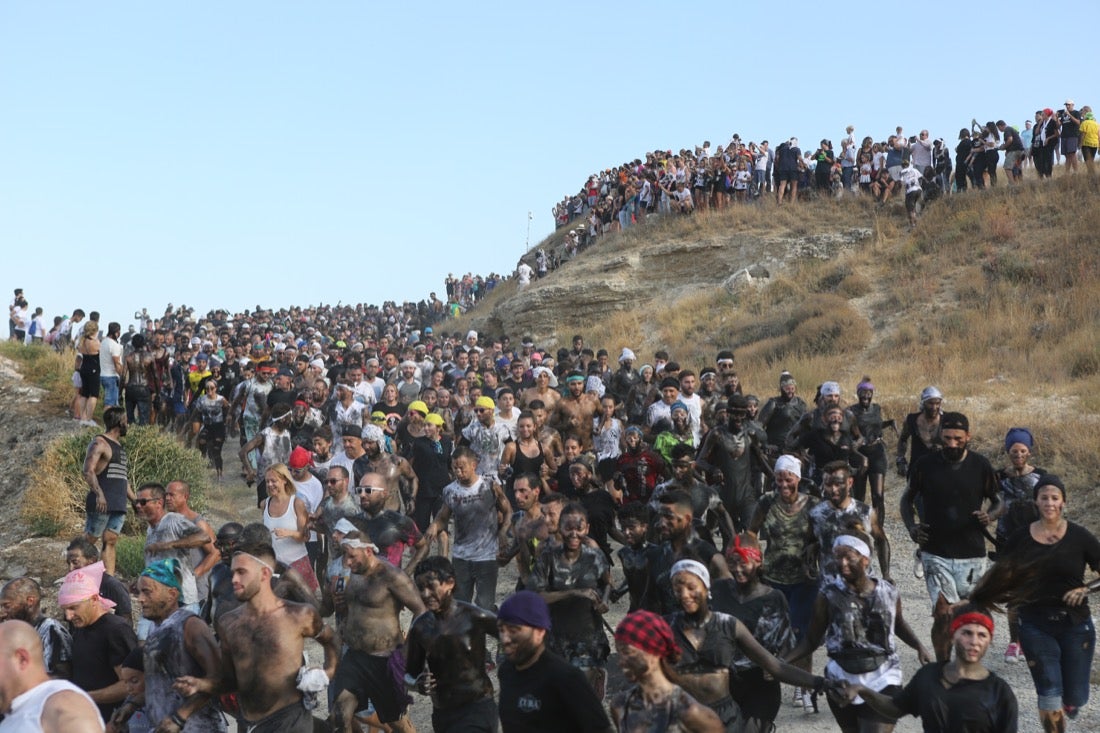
(859, 661)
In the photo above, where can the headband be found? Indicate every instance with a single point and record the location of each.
(972, 617)
(847, 540)
(694, 567)
(747, 554)
(358, 544)
(250, 555)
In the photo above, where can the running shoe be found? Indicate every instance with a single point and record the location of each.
(796, 697)
(918, 566)
(808, 704)
(1013, 653)
(1071, 711)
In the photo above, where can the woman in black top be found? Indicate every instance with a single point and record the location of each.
(1044, 573)
(962, 153)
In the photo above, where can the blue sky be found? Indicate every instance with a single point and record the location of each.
(229, 154)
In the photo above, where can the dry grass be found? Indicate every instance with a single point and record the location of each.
(42, 366)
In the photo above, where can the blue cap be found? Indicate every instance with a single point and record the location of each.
(525, 608)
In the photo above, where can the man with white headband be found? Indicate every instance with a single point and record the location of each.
(262, 643)
(857, 617)
(374, 597)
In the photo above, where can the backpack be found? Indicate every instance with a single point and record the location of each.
(34, 327)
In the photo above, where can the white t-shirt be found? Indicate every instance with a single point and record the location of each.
(311, 492)
(108, 350)
(524, 273)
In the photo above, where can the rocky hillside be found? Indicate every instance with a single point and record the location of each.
(650, 267)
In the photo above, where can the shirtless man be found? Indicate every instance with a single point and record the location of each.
(390, 468)
(924, 429)
(445, 653)
(529, 526)
(262, 642)
(573, 413)
(375, 594)
(542, 391)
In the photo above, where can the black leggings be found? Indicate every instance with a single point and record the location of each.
(210, 440)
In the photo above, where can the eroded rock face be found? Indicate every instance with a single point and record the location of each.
(617, 275)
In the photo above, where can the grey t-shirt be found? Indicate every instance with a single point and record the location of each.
(475, 515)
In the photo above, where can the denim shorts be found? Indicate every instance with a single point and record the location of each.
(1059, 653)
(952, 577)
(96, 523)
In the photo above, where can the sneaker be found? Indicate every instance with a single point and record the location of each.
(796, 697)
(808, 705)
(918, 566)
(1071, 711)
(1013, 653)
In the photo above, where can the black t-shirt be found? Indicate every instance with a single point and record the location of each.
(968, 706)
(277, 398)
(97, 650)
(1071, 122)
(550, 696)
(431, 466)
(113, 589)
(952, 492)
(601, 517)
(1062, 564)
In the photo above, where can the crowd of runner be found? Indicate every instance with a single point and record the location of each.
(399, 468)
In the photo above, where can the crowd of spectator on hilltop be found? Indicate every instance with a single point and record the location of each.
(664, 182)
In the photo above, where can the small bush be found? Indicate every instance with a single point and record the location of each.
(130, 556)
(40, 365)
(55, 495)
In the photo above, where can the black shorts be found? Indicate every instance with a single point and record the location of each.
(876, 458)
(849, 716)
(911, 200)
(781, 176)
(291, 719)
(368, 677)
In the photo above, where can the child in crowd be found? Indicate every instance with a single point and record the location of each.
(634, 555)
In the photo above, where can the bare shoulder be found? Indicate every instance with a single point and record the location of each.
(68, 711)
(305, 616)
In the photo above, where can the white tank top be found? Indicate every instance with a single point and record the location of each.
(26, 710)
(287, 550)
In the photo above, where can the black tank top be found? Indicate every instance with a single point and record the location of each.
(522, 464)
(112, 479)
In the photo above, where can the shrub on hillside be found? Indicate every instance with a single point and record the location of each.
(54, 500)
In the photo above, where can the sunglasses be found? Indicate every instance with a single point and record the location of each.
(480, 410)
(368, 489)
(333, 481)
(143, 502)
